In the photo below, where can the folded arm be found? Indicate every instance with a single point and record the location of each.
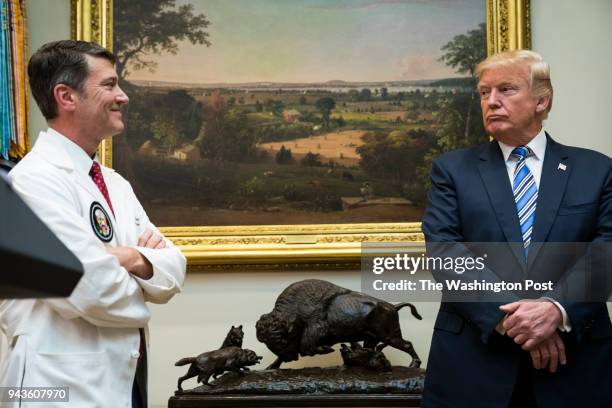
(168, 266)
(107, 295)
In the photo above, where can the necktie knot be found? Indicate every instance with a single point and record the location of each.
(521, 152)
(95, 170)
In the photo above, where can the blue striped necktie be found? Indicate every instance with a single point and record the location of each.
(525, 194)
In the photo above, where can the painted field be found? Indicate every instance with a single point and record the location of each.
(337, 146)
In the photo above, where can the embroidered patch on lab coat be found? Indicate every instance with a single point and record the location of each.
(100, 222)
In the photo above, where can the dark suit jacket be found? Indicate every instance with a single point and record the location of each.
(470, 200)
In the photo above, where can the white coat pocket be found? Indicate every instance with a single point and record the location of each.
(82, 373)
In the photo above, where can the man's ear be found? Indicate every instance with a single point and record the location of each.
(542, 103)
(65, 97)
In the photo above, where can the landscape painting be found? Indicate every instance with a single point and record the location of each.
(266, 112)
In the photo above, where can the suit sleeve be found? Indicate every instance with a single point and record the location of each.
(106, 295)
(442, 228)
(169, 265)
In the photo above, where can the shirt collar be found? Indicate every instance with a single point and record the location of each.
(80, 159)
(537, 146)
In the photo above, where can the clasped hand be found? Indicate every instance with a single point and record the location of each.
(533, 325)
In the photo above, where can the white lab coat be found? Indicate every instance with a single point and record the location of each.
(89, 341)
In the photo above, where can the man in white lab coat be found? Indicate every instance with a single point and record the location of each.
(92, 342)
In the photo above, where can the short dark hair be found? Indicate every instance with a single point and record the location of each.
(61, 62)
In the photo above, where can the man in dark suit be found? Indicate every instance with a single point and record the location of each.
(522, 189)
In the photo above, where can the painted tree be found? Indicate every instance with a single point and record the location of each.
(165, 131)
(463, 53)
(274, 106)
(311, 160)
(144, 28)
(384, 93)
(364, 95)
(211, 138)
(394, 156)
(226, 135)
(325, 106)
(284, 156)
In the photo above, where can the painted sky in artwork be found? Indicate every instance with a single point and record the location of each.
(319, 41)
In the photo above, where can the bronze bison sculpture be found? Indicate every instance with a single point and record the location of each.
(311, 316)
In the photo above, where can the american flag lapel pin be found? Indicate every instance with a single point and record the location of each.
(562, 167)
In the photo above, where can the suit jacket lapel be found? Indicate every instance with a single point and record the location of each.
(552, 188)
(495, 178)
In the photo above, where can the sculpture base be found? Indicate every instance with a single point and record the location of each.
(308, 387)
(279, 401)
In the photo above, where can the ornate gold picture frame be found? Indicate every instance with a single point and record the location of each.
(293, 246)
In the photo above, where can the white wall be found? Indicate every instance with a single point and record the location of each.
(48, 20)
(573, 36)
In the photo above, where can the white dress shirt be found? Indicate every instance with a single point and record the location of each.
(534, 163)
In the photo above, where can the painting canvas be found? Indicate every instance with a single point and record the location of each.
(265, 112)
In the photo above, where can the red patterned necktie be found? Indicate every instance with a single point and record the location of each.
(96, 175)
